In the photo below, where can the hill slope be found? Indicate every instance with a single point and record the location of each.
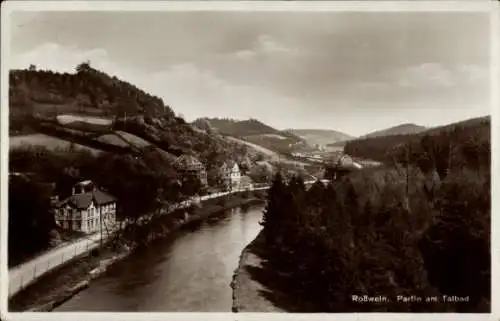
(389, 148)
(50, 103)
(258, 133)
(403, 129)
(320, 136)
(240, 128)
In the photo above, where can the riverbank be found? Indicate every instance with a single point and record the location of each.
(248, 293)
(60, 285)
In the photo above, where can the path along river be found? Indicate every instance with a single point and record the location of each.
(190, 271)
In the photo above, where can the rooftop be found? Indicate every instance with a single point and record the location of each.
(83, 201)
(187, 161)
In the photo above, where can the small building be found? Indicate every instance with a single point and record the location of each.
(340, 165)
(188, 165)
(231, 175)
(87, 210)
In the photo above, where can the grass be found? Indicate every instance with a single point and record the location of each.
(132, 139)
(112, 139)
(69, 118)
(50, 142)
(88, 127)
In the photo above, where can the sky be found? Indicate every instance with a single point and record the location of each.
(354, 72)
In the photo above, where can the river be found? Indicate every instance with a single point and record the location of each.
(189, 271)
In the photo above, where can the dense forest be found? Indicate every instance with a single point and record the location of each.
(402, 129)
(422, 230)
(387, 149)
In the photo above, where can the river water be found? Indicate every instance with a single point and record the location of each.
(189, 271)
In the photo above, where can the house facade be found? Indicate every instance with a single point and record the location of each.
(187, 165)
(231, 175)
(87, 210)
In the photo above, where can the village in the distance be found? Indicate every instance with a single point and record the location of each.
(117, 202)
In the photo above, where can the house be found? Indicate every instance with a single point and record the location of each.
(87, 210)
(231, 175)
(188, 165)
(341, 165)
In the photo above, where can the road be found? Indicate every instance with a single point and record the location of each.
(24, 274)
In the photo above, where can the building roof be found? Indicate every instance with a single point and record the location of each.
(187, 161)
(229, 164)
(83, 201)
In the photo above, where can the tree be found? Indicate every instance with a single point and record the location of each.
(32, 67)
(272, 218)
(191, 185)
(29, 214)
(84, 66)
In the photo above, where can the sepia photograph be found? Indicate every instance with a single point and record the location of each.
(230, 159)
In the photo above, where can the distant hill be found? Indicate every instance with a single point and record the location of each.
(403, 129)
(460, 135)
(320, 136)
(239, 128)
(256, 132)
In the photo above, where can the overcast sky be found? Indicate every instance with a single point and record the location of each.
(347, 71)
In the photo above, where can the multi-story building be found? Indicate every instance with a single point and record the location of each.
(231, 175)
(187, 165)
(87, 210)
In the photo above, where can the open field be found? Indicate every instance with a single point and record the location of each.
(274, 136)
(112, 139)
(66, 119)
(44, 140)
(132, 139)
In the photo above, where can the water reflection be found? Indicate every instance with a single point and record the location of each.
(189, 271)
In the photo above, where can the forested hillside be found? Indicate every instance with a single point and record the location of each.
(88, 91)
(256, 132)
(38, 97)
(420, 226)
(456, 136)
(403, 129)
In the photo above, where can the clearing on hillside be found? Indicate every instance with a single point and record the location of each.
(67, 118)
(49, 142)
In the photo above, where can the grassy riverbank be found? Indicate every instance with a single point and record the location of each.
(59, 285)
